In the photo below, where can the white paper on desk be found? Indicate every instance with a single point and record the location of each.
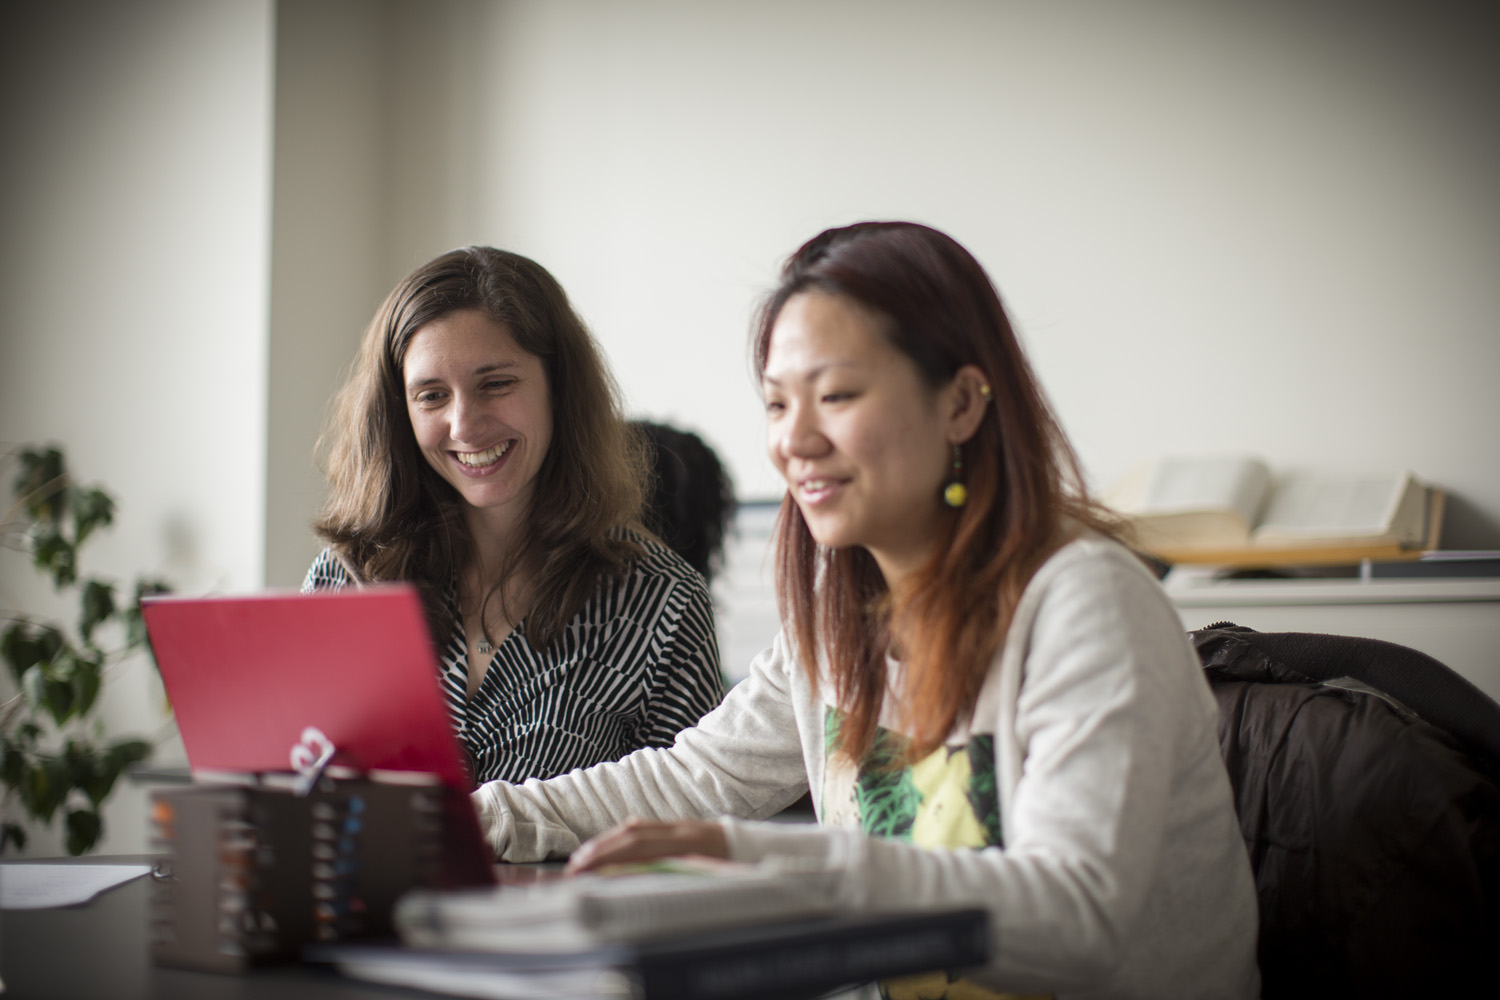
(39, 886)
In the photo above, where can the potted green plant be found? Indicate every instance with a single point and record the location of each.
(54, 754)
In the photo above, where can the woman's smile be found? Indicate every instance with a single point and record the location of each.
(482, 463)
(817, 490)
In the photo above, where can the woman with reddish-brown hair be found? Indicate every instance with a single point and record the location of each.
(990, 699)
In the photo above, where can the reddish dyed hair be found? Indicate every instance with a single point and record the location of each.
(1026, 494)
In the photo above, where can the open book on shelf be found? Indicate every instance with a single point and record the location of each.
(1231, 510)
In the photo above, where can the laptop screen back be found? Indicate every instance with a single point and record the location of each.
(253, 678)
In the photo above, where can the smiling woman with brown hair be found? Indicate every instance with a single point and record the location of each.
(478, 452)
(990, 699)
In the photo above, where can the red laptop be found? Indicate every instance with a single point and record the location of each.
(289, 682)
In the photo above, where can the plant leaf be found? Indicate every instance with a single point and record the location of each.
(33, 787)
(17, 649)
(26, 643)
(46, 787)
(146, 586)
(87, 770)
(60, 701)
(54, 554)
(88, 674)
(127, 752)
(135, 625)
(12, 763)
(60, 682)
(38, 469)
(98, 606)
(105, 769)
(84, 828)
(11, 833)
(57, 690)
(92, 508)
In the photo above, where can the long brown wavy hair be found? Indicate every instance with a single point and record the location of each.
(392, 517)
(1025, 492)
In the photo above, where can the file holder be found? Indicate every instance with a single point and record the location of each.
(253, 872)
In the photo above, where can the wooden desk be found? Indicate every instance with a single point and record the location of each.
(100, 951)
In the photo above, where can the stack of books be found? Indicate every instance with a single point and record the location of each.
(674, 929)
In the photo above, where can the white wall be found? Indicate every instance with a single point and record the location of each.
(1267, 227)
(330, 235)
(375, 173)
(134, 194)
(1263, 226)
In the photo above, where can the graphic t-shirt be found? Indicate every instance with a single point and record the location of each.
(947, 799)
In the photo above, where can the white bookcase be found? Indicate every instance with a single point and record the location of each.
(1456, 621)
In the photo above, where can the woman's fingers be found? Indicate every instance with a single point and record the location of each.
(644, 840)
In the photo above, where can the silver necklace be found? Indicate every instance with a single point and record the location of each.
(482, 644)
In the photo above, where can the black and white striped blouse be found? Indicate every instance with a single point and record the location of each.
(638, 664)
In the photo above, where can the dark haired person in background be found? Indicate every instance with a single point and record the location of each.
(478, 452)
(991, 700)
(690, 503)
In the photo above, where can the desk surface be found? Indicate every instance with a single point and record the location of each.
(100, 950)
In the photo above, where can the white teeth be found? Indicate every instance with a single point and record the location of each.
(812, 485)
(480, 459)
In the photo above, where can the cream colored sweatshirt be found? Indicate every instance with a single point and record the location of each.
(1122, 872)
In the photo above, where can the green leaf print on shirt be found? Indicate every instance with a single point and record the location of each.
(886, 798)
(984, 790)
(948, 799)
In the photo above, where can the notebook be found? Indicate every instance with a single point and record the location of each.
(293, 682)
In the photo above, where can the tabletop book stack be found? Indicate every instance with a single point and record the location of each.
(675, 929)
(254, 873)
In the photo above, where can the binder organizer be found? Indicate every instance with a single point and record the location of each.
(253, 873)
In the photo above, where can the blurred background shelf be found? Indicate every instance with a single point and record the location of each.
(1455, 618)
(1333, 553)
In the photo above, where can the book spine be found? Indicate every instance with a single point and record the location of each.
(821, 959)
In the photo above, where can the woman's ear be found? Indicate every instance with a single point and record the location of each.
(966, 398)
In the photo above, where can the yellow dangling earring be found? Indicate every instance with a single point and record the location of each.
(956, 494)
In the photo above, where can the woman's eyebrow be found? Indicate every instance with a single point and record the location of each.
(496, 366)
(809, 374)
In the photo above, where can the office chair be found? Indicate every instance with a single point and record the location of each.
(1364, 775)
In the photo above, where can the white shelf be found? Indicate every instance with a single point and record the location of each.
(1191, 587)
(1456, 620)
